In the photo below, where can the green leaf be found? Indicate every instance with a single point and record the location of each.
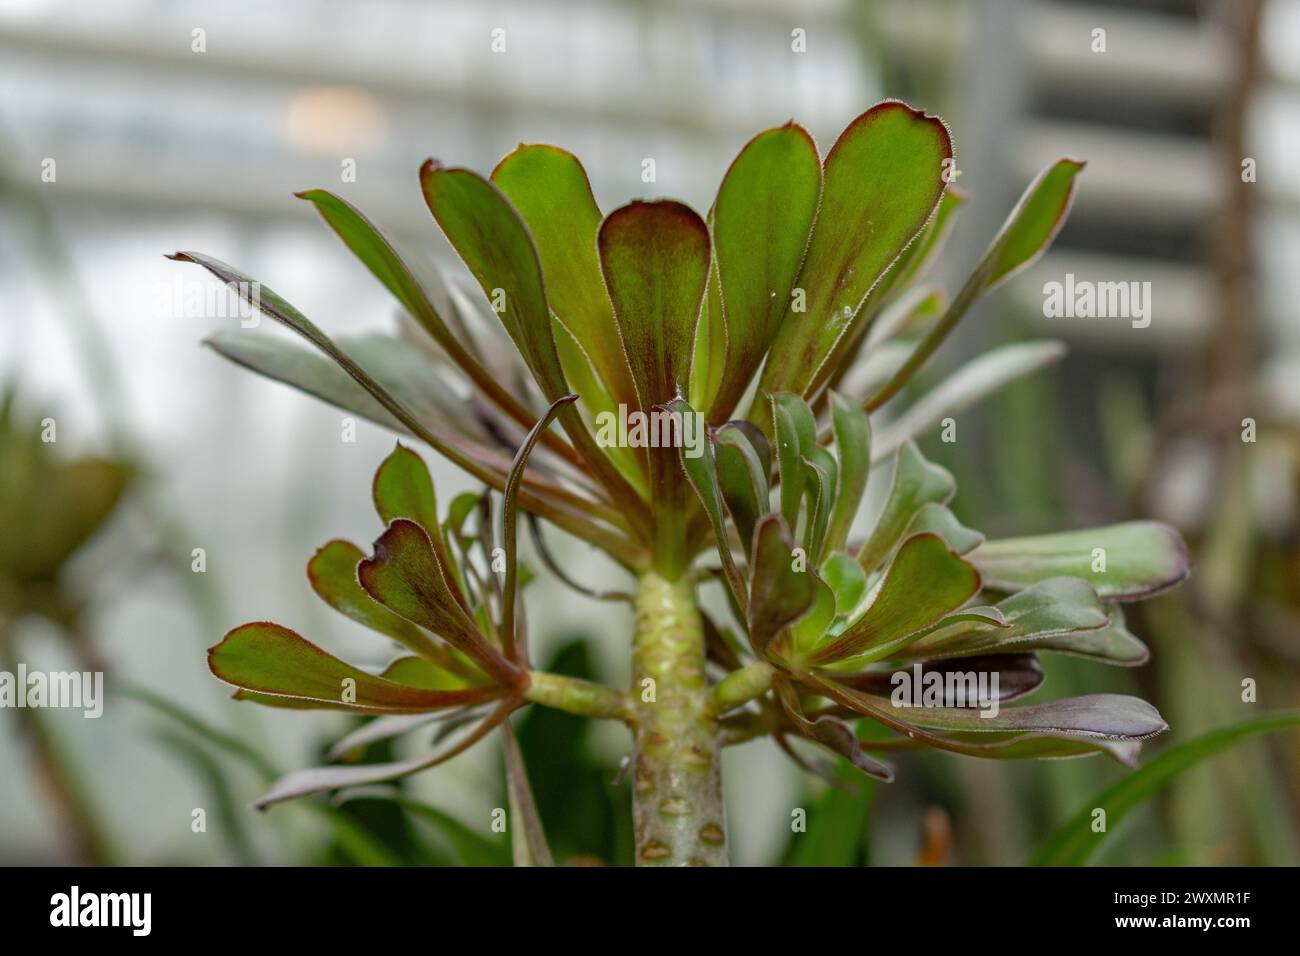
(917, 482)
(269, 659)
(779, 595)
(491, 239)
(527, 839)
(937, 519)
(403, 488)
(375, 252)
(832, 733)
(847, 579)
(819, 479)
(448, 669)
(742, 479)
(761, 222)
(332, 572)
(795, 432)
(1058, 614)
(655, 259)
(968, 385)
(1029, 230)
(709, 361)
(1074, 843)
(883, 179)
(702, 473)
(924, 582)
(403, 575)
(549, 188)
(852, 429)
(809, 629)
(399, 369)
(890, 300)
(1075, 726)
(510, 518)
(1017, 675)
(1140, 558)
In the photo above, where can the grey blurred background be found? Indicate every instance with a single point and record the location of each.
(161, 147)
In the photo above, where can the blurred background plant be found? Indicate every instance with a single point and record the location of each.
(158, 144)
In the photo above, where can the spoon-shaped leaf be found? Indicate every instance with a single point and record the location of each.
(549, 187)
(761, 221)
(269, 659)
(1123, 562)
(883, 179)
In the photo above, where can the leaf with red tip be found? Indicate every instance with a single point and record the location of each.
(549, 188)
(761, 221)
(332, 572)
(488, 234)
(883, 179)
(265, 658)
(655, 260)
(404, 576)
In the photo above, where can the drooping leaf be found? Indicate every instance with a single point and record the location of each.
(1058, 614)
(1029, 230)
(403, 575)
(375, 252)
(510, 518)
(883, 179)
(761, 221)
(455, 448)
(916, 482)
(924, 582)
(831, 733)
(852, 429)
(1123, 562)
(402, 371)
(527, 839)
(1073, 727)
(269, 659)
(302, 783)
(549, 188)
(779, 594)
(1075, 842)
(968, 385)
(1017, 675)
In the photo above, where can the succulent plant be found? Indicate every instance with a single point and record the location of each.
(787, 319)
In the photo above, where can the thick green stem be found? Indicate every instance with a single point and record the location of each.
(575, 696)
(677, 788)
